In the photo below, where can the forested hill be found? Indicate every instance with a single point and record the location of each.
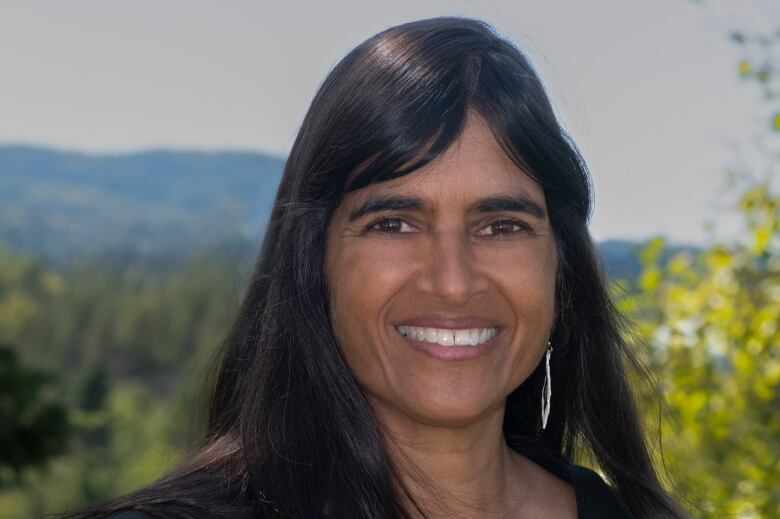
(66, 205)
(155, 207)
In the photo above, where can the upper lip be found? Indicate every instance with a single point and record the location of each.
(449, 321)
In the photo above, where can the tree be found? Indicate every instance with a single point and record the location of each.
(33, 427)
(711, 321)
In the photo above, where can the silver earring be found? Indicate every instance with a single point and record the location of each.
(547, 387)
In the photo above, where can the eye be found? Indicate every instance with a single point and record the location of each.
(505, 227)
(390, 225)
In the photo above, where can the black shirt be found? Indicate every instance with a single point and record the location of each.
(595, 499)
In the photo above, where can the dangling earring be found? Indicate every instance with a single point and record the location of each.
(547, 387)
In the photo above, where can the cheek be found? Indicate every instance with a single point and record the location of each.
(362, 282)
(371, 273)
(526, 277)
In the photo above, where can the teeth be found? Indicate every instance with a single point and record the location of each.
(462, 337)
(445, 337)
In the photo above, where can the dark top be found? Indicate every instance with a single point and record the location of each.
(595, 499)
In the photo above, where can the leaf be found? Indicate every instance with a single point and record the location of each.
(650, 279)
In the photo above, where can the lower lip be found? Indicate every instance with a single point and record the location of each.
(452, 353)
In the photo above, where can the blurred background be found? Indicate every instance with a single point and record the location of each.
(141, 144)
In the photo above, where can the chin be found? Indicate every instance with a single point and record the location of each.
(451, 411)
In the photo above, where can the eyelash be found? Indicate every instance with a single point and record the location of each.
(524, 227)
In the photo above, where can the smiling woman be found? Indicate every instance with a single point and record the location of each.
(428, 332)
(449, 269)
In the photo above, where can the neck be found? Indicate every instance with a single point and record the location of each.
(463, 470)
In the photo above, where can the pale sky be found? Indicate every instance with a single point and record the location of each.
(648, 89)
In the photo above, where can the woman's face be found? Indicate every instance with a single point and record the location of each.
(454, 252)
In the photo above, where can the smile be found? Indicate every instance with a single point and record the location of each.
(448, 337)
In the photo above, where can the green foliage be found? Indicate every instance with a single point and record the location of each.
(708, 325)
(33, 427)
(713, 322)
(129, 348)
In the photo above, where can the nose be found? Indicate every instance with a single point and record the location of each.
(451, 273)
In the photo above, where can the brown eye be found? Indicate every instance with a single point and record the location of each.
(506, 227)
(390, 225)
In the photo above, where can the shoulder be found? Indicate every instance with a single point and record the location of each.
(595, 498)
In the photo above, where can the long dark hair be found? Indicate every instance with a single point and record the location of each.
(289, 431)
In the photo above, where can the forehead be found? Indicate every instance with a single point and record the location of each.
(474, 166)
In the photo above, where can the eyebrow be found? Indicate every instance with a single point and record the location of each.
(519, 203)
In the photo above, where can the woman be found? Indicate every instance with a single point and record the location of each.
(428, 332)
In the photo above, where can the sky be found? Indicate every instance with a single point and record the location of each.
(648, 90)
